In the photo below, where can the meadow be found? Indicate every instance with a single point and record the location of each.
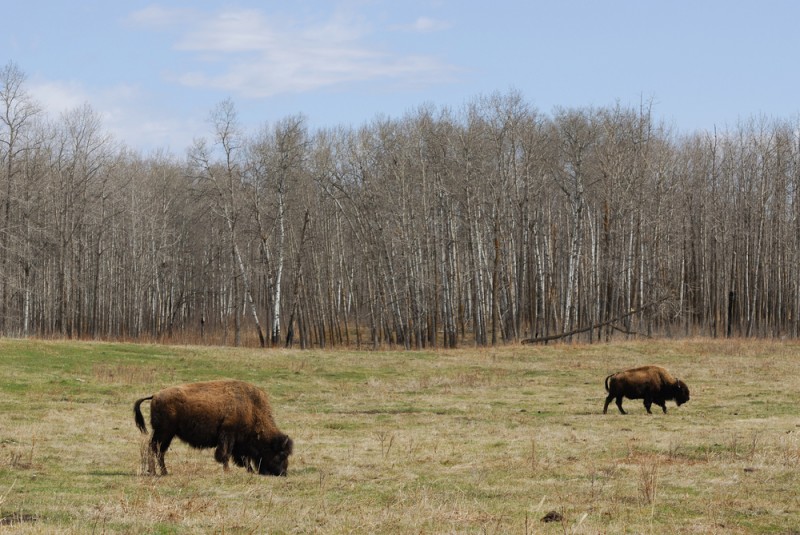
(477, 440)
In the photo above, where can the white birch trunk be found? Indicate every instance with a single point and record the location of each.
(275, 335)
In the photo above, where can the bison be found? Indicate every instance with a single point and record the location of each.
(233, 416)
(653, 384)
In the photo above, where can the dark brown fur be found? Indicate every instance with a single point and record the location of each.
(232, 416)
(653, 384)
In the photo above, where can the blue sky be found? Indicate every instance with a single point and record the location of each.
(154, 70)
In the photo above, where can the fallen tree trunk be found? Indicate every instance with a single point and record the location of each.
(545, 339)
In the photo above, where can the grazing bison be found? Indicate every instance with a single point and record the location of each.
(233, 416)
(653, 384)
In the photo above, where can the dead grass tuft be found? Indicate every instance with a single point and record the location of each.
(21, 455)
(147, 464)
(648, 479)
(127, 374)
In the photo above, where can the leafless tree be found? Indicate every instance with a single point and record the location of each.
(224, 181)
(18, 112)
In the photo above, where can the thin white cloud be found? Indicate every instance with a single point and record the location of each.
(57, 97)
(123, 110)
(159, 17)
(251, 53)
(315, 69)
(426, 25)
(230, 32)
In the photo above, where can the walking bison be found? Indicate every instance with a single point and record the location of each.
(653, 384)
(232, 416)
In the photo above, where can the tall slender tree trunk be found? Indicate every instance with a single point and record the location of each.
(275, 336)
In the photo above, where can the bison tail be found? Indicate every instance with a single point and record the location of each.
(607, 378)
(137, 413)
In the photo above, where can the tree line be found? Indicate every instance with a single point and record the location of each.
(490, 224)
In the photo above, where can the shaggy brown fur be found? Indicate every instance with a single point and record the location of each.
(232, 416)
(653, 384)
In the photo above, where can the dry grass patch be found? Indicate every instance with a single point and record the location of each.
(115, 373)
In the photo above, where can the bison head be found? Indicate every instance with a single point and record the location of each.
(273, 457)
(680, 392)
(267, 456)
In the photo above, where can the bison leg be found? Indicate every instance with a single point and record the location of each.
(663, 405)
(223, 452)
(243, 461)
(608, 401)
(647, 404)
(244, 456)
(619, 405)
(159, 444)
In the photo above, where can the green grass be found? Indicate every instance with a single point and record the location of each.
(466, 441)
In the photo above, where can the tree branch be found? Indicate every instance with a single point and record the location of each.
(544, 339)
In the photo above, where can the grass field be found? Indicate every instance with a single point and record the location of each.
(467, 441)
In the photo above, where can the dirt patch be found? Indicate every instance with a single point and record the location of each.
(15, 519)
(553, 516)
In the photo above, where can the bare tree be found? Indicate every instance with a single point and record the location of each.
(577, 135)
(225, 186)
(17, 113)
(276, 164)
